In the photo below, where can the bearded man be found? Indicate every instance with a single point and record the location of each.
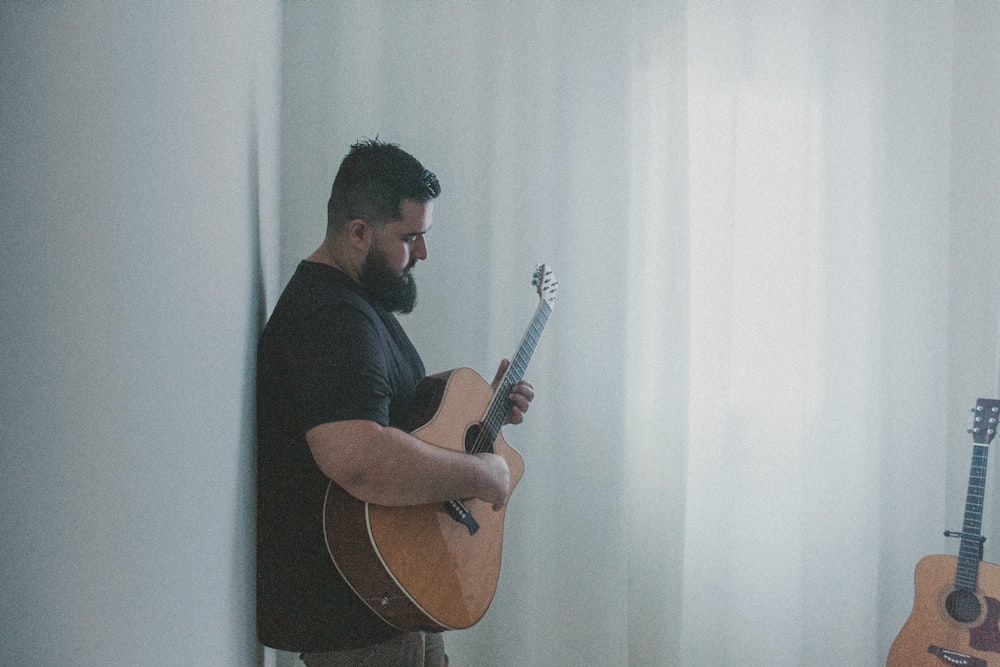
(336, 377)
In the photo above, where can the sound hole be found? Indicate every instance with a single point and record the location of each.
(963, 606)
(471, 436)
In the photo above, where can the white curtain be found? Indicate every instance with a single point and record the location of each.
(749, 417)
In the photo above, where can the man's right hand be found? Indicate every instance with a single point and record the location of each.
(497, 480)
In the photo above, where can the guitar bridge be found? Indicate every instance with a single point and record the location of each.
(459, 513)
(949, 657)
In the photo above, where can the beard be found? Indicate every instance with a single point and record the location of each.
(394, 291)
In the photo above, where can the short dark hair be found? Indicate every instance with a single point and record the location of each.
(373, 180)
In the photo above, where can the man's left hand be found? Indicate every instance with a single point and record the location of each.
(521, 394)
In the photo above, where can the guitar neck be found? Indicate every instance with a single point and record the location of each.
(984, 427)
(970, 552)
(496, 413)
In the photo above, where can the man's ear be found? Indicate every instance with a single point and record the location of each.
(359, 233)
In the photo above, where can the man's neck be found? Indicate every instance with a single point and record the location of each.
(325, 254)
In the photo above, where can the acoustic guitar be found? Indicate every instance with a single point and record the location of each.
(436, 566)
(956, 607)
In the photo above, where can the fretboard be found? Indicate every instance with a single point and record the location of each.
(969, 553)
(499, 407)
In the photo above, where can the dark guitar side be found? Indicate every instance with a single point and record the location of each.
(931, 638)
(416, 567)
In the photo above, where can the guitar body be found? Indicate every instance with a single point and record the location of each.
(417, 567)
(934, 636)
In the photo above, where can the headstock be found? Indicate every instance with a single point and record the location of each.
(984, 422)
(546, 282)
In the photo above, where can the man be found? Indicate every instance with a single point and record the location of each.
(336, 375)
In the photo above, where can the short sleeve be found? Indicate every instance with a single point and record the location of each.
(337, 367)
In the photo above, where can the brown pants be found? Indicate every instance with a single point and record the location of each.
(413, 649)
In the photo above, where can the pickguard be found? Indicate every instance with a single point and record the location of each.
(986, 637)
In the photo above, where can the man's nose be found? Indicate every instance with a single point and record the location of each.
(420, 248)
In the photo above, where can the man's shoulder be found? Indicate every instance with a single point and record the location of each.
(318, 290)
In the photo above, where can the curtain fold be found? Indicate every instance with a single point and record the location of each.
(739, 446)
(657, 332)
(768, 507)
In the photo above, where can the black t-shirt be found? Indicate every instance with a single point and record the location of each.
(327, 354)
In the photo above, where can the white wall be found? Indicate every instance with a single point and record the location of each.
(138, 158)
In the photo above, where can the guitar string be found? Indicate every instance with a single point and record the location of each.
(500, 407)
(968, 563)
